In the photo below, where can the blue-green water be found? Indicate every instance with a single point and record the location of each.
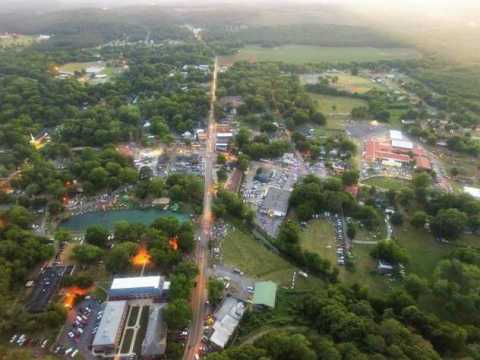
(79, 223)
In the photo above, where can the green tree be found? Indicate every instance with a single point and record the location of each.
(215, 291)
(178, 314)
(97, 235)
(449, 223)
(419, 219)
(86, 254)
(118, 259)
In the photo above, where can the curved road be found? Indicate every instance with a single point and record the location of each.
(199, 296)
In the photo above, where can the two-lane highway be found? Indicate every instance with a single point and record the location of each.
(199, 296)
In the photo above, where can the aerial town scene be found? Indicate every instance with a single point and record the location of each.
(291, 180)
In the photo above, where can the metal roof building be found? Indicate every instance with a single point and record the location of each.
(111, 325)
(276, 201)
(155, 342)
(227, 319)
(138, 287)
(265, 293)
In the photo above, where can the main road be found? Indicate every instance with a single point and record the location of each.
(199, 296)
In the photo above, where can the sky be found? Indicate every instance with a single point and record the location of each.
(430, 8)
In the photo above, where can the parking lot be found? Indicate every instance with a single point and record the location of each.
(80, 328)
(46, 285)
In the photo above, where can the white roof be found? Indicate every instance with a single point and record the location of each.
(475, 192)
(396, 135)
(404, 144)
(136, 282)
(228, 317)
(110, 324)
(225, 134)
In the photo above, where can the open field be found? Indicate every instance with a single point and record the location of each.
(387, 183)
(336, 108)
(423, 250)
(355, 84)
(20, 40)
(241, 250)
(319, 237)
(302, 54)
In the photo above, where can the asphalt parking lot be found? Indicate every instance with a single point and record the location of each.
(45, 287)
(79, 329)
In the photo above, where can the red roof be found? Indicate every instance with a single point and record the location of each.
(352, 189)
(423, 163)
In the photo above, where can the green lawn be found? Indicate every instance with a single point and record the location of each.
(319, 237)
(302, 54)
(127, 341)
(21, 40)
(335, 108)
(132, 320)
(241, 250)
(387, 183)
(137, 347)
(365, 273)
(423, 250)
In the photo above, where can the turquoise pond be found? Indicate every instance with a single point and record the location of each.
(79, 223)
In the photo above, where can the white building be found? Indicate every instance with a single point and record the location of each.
(475, 192)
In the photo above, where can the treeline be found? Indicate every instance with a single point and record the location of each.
(305, 34)
(20, 252)
(347, 323)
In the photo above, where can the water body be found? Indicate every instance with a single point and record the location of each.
(79, 223)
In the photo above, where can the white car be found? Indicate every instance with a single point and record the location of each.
(71, 335)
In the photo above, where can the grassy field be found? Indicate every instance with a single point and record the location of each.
(423, 250)
(241, 250)
(354, 84)
(319, 237)
(300, 54)
(387, 183)
(21, 40)
(336, 108)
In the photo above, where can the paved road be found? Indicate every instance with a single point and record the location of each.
(200, 292)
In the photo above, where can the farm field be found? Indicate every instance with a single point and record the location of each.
(241, 250)
(302, 54)
(387, 183)
(336, 108)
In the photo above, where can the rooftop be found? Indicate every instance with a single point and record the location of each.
(111, 323)
(137, 282)
(396, 135)
(475, 192)
(155, 341)
(227, 319)
(276, 200)
(265, 293)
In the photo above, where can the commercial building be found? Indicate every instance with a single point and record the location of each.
(155, 342)
(396, 151)
(145, 287)
(227, 319)
(265, 294)
(276, 202)
(109, 331)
